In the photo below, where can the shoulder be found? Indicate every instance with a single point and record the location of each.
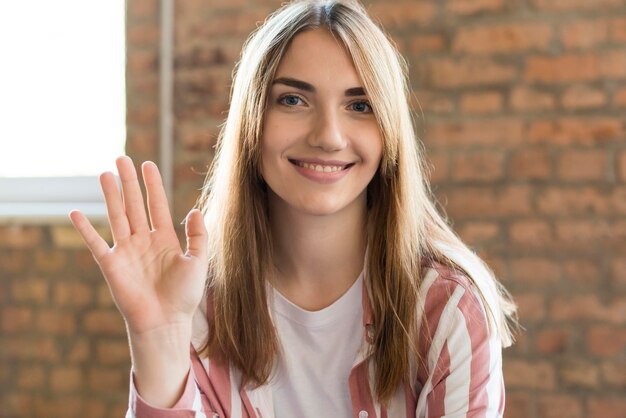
(451, 312)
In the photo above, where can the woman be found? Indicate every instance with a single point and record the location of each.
(334, 286)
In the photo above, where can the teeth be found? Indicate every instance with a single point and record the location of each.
(321, 168)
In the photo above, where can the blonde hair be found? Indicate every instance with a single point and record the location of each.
(404, 227)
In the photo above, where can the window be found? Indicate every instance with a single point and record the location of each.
(62, 106)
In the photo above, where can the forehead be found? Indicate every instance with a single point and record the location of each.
(317, 57)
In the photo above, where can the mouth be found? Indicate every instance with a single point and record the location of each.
(322, 167)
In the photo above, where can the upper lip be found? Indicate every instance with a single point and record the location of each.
(317, 161)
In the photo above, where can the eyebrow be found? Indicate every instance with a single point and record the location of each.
(303, 85)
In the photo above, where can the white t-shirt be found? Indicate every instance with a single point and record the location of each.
(319, 348)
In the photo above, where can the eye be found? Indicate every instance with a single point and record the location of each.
(361, 107)
(289, 100)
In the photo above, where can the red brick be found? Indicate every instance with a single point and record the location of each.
(584, 33)
(76, 294)
(607, 407)
(472, 7)
(575, 67)
(619, 97)
(143, 115)
(614, 373)
(104, 322)
(532, 231)
(50, 261)
(582, 272)
(15, 319)
(562, 69)
(478, 166)
(501, 132)
(464, 72)
(113, 352)
(618, 29)
(142, 35)
(606, 341)
(583, 97)
(468, 202)
(39, 348)
(583, 165)
(531, 164)
(65, 379)
(30, 290)
(613, 64)
(55, 322)
(518, 404)
(575, 5)
(621, 166)
(104, 298)
(432, 102)
(402, 13)
(552, 340)
(438, 166)
(573, 201)
(59, 406)
(535, 271)
(579, 373)
(140, 62)
(618, 272)
(531, 306)
(78, 350)
(588, 307)
(422, 44)
(559, 406)
(142, 9)
(13, 261)
(31, 377)
(18, 404)
(583, 234)
(591, 130)
(18, 236)
(502, 38)
(98, 409)
(476, 233)
(105, 379)
(532, 100)
(536, 374)
(481, 103)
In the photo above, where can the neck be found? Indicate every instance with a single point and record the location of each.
(317, 258)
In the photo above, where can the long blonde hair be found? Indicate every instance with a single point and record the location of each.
(404, 226)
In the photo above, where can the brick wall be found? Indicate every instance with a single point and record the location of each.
(523, 116)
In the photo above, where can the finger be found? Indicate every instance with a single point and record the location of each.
(196, 235)
(118, 221)
(133, 199)
(96, 244)
(157, 200)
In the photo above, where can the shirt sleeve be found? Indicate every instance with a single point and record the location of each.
(464, 360)
(188, 406)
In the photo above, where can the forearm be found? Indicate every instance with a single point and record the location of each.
(161, 363)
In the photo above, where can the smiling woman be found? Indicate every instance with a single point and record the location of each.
(332, 286)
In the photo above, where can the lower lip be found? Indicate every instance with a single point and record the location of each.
(321, 176)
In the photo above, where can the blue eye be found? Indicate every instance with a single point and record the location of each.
(361, 107)
(289, 100)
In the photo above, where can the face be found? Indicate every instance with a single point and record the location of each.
(321, 144)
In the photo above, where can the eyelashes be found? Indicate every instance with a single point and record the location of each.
(292, 100)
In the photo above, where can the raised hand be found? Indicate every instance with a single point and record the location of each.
(154, 284)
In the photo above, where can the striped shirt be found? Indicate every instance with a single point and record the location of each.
(460, 374)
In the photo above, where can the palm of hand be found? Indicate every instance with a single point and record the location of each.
(152, 282)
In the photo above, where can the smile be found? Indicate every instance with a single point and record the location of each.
(321, 167)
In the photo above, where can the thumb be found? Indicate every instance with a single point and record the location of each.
(196, 234)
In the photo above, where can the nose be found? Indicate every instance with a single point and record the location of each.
(327, 132)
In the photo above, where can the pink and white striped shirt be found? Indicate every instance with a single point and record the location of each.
(460, 375)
